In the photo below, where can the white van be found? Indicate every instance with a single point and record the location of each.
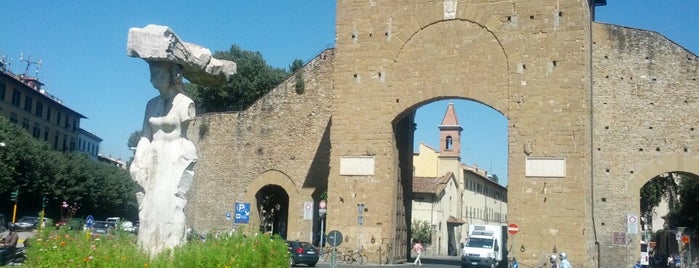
(645, 257)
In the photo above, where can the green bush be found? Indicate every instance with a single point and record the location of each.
(64, 248)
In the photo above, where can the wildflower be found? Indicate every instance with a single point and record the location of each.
(63, 243)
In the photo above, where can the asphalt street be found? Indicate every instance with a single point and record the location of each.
(427, 262)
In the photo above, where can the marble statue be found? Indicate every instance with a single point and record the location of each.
(164, 160)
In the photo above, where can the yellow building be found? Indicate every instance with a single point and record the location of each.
(24, 102)
(451, 195)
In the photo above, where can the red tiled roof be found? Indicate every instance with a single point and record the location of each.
(431, 185)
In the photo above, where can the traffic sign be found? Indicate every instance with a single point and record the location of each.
(685, 239)
(89, 221)
(512, 229)
(334, 238)
(322, 208)
(242, 213)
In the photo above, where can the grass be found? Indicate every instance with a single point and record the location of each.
(64, 248)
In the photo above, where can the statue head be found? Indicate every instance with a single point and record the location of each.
(164, 74)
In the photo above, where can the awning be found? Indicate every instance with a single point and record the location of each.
(455, 221)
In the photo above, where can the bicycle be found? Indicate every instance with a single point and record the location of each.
(384, 255)
(328, 251)
(358, 257)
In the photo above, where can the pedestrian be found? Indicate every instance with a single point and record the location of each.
(669, 261)
(564, 261)
(418, 250)
(8, 244)
(637, 265)
(552, 260)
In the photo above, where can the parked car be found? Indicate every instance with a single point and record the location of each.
(75, 224)
(302, 252)
(30, 223)
(101, 228)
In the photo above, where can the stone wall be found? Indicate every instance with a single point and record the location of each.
(615, 112)
(280, 140)
(530, 60)
(646, 115)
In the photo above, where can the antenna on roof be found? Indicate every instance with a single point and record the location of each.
(29, 62)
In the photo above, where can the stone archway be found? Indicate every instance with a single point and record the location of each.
(272, 203)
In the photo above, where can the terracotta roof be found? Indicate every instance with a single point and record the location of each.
(450, 116)
(431, 185)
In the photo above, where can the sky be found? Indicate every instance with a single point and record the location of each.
(82, 47)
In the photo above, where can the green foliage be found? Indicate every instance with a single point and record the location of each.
(63, 248)
(687, 212)
(203, 129)
(655, 190)
(422, 231)
(296, 65)
(300, 85)
(134, 138)
(253, 80)
(37, 171)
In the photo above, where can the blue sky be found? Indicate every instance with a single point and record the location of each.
(82, 45)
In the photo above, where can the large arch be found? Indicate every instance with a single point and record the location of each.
(475, 66)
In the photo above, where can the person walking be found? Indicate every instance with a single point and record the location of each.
(564, 261)
(418, 250)
(553, 262)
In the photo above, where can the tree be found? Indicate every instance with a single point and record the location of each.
(422, 231)
(659, 187)
(253, 80)
(686, 213)
(38, 172)
(134, 138)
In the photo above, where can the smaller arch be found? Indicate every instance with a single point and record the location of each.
(669, 163)
(273, 176)
(269, 178)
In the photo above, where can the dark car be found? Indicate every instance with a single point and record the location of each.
(26, 223)
(302, 252)
(101, 228)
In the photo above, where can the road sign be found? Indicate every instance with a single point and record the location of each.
(512, 229)
(242, 213)
(685, 239)
(307, 210)
(619, 238)
(632, 223)
(89, 221)
(322, 208)
(334, 238)
(228, 216)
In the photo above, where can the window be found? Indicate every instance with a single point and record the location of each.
(28, 103)
(36, 132)
(58, 118)
(39, 111)
(46, 134)
(48, 113)
(16, 95)
(2, 91)
(448, 145)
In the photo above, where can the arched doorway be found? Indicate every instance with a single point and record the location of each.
(273, 207)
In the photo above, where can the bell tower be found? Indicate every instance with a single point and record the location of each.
(450, 135)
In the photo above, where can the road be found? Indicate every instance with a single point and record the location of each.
(427, 262)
